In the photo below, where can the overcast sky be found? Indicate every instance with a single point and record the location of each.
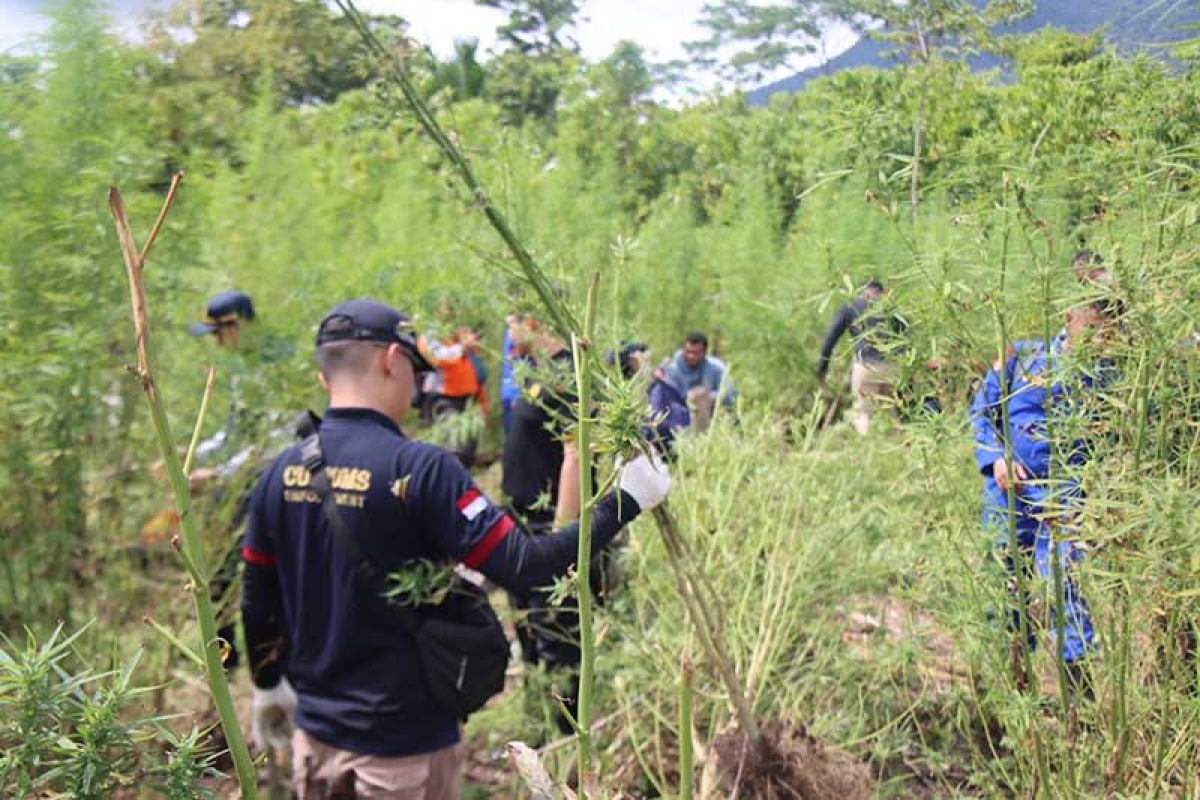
(660, 26)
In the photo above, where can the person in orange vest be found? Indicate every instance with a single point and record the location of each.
(457, 378)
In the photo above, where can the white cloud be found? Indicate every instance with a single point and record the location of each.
(437, 23)
(660, 26)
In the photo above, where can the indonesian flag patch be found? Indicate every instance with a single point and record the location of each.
(472, 504)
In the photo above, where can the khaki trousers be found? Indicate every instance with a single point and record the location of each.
(323, 772)
(869, 383)
(701, 403)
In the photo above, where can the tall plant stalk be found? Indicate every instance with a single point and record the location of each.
(583, 560)
(697, 597)
(189, 548)
(686, 757)
(1017, 557)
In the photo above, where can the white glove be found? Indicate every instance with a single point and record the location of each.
(646, 481)
(271, 716)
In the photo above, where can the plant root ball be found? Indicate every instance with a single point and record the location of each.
(788, 764)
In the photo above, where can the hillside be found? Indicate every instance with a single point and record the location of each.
(1131, 26)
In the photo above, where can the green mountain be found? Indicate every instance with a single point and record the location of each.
(1130, 25)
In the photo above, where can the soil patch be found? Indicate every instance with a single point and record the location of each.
(789, 764)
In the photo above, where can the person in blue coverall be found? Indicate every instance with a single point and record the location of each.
(1037, 384)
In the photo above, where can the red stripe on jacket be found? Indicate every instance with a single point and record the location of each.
(252, 556)
(489, 542)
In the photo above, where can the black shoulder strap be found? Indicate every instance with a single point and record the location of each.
(314, 461)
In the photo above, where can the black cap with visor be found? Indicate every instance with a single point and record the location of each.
(371, 321)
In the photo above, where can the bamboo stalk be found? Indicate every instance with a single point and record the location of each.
(189, 548)
(583, 561)
(1018, 557)
(565, 324)
(191, 451)
(686, 757)
(560, 317)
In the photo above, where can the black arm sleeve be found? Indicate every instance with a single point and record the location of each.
(262, 618)
(522, 562)
(841, 321)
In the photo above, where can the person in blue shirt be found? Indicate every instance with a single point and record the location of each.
(322, 642)
(512, 351)
(1043, 385)
(701, 378)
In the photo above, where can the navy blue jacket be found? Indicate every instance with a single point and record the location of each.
(669, 410)
(307, 612)
(875, 333)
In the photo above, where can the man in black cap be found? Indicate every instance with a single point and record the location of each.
(367, 723)
(228, 459)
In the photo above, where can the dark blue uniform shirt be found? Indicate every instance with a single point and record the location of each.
(309, 614)
(350, 659)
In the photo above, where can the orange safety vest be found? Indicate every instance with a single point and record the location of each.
(458, 377)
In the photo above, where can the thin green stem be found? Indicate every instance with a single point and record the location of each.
(1164, 725)
(686, 759)
(583, 586)
(1120, 702)
(175, 641)
(191, 451)
(1060, 628)
(1016, 554)
(190, 547)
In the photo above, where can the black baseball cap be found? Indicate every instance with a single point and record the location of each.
(225, 308)
(371, 321)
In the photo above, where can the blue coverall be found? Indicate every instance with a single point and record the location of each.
(1046, 500)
